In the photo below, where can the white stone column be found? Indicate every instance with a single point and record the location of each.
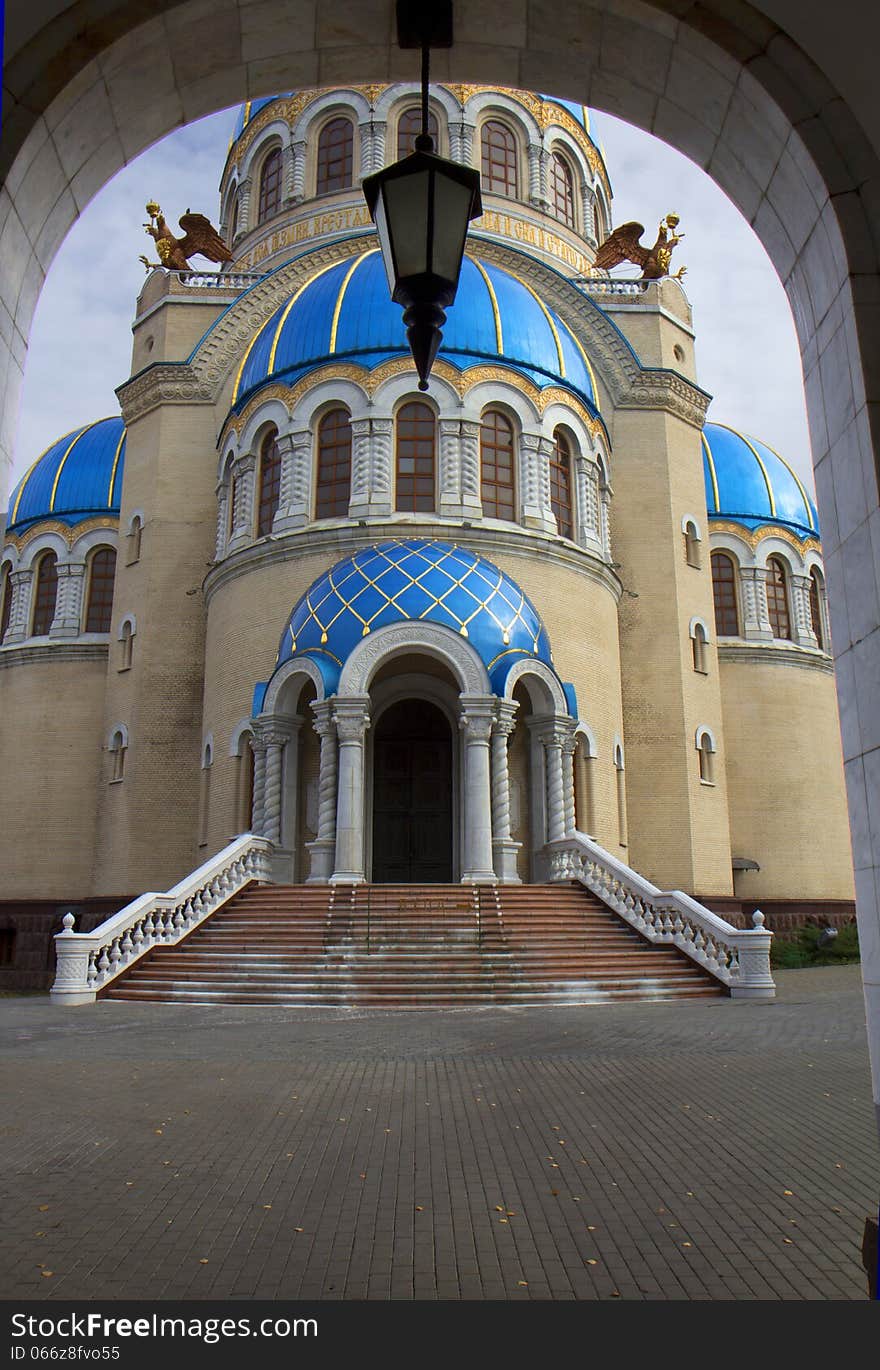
(504, 849)
(535, 483)
(258, 747)
(538, 164)
(588, 500)
(276, 739)
(222, 519)
(68, 601)
(244, 206)
(294, 500)
(553, 739)
(323, 849)
(801, 617)
(382, 448)
(450, 467)
(288, 167)
(244, 473)
(569, 743)
(589, 213)
(21, 582)
(298, 172)
(351, 716)
(361, 468)
(461, 137)
(476, 723)
(471, 497)
(756, 620)
(605, 519)
(372, 136)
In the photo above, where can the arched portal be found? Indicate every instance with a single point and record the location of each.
(412, 796)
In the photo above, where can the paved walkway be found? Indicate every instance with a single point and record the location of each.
(712, 1150)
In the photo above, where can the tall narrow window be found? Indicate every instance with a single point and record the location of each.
(5, 603)
(584, 787)
(409, 126)
(692, 545)
(416, 440)
(244, 783)
(270, 484)
(815, 607)
(498, 147)
(699, 644)
(705, 752)
(777, 599)
(118, 747)
(47, 592)
(126, 639)
(496, 466)
(270, 186)
(335, 156)
(133, 541)
(560, 484)
(334, 466)
(562, 190)
(620, 778)
(724, 592)
(102, 572)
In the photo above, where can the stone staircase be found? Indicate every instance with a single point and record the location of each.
(402, 946)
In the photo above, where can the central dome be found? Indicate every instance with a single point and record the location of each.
(345, 312)
(395, 581)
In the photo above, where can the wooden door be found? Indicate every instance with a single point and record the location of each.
(412, 796)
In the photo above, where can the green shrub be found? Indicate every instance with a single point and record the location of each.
(800, 948)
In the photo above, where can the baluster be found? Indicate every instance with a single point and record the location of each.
(149, 928)
(103, 963)
(677, 927)
(115, 955)
(699, 944)
(137, 935)
(127, 947)
(92, 972)
(178, 921)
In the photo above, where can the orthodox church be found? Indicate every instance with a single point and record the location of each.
(413, 638)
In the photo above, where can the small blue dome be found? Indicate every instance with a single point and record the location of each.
(77, 478)
(748, 482)
(345, 312)
(395, 581)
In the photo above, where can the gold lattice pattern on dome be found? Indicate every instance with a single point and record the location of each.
(360, 571)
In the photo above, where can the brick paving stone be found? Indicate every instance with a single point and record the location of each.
(143, 1139)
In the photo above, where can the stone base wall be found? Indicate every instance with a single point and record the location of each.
(33, 924)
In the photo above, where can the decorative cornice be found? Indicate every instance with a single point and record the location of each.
(70, 533)
(162, 383)
(769, 654)
(343, 540)
(753, 536)
(29, 655)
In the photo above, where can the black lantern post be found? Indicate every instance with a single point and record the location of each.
(422, 206)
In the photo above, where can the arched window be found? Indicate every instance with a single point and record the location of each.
(724, 592)
(118, 748)
(692, 544)
(270, 484)
(102, 573)
(496, 466)
(335, 156)
(562, 190)
(47, 592)
(498, 146)
(706, 754)
(815, 607)
(409, 126)
(333, 491)
(133, 541)
(244, 782)
(126, 639)
(416, 441)
(205, 792)
(270, 186)
(777, 599)
(560, 484)
(584, 786)
(5, 602)
(699, 644)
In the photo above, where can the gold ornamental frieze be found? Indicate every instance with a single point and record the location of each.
(753, 536)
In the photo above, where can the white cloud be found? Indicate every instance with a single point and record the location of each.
(80, 351)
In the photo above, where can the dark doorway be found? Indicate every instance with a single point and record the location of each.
(412, 796)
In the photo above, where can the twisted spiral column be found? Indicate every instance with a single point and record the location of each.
(568, 747)
(504, 849)
(321, 850)
(555, 786)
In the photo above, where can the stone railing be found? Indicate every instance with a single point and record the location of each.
(219, 280)
(86, 961)
(739, 958)
(606, 285)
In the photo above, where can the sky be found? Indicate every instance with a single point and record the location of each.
(747, 355)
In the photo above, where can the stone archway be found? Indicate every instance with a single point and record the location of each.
(778, 119)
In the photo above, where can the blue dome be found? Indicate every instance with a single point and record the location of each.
(345, 312)
(77, 478)
(748, 482)
(395, 581)
(250, 109)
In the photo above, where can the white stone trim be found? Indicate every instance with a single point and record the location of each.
(548, 697)
(705, 731)
(697, 622)
(208, 751)
(301, 665)
(584, 730)
(372, 652)
(244, 728)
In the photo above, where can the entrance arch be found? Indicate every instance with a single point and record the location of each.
(777, 118)
(413, 822)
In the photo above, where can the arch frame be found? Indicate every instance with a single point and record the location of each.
(399, 639)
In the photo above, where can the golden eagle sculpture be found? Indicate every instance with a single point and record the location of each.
(623, 245)
(200, 237)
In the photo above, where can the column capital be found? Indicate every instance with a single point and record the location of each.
(506, 711)
(275, 731)
(477, 716)
(323, 711)
(352, 718)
